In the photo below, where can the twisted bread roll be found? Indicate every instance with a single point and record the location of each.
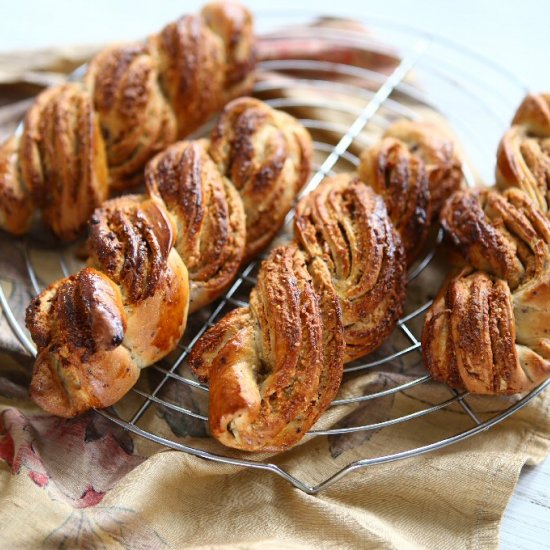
(229, 197)
(266, 154)
(347, 249)
(345, 224)
(95, 330)
(335, 294)
(235, 26)
(415, 169)
(204, 61)
(430, 143)
(80, 140)
(16, 206)
(503, 234)
(275, 366)
(137, 120)
(209, 215)
(523, 158)
(400, 178)
(80, 321)
(487, 330)
(62, 159)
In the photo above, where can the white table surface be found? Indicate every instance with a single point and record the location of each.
(514, 34)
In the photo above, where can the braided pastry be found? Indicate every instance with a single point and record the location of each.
(414, 168)
(503, 234)
(346, 225)
(275, 366)
(350, 258)
(487, 331)
(136, 246)
(95, 330)
(335, 294)
(137, 120)
(229, 197)
(523, 158)
(400, 177)
(267, 157)
(436, 149)
(208, 213)
(135, 100)
(62, 159)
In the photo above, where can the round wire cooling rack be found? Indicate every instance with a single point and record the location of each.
(346, 87)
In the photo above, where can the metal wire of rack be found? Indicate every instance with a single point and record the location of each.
(443, 69)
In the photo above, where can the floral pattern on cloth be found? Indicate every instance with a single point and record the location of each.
(76, 462)
(93, 451)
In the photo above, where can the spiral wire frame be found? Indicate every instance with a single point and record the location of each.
(444, 69)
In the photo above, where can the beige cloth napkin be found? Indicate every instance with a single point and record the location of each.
(452, 498)
(85, 483)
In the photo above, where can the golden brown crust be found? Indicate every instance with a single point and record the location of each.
(503, 234)
(78, 324)
(208, 213)
(275, 366)
(400, 178)
(62, 158)
(192, 67)
(235, 26)
(136, 119)
(97, 329)
(436, 149)
(523, 158)
(330, 297)
(469, 339)
(266, 154)
(344, 223)
(16, 205)
(81, 140)
(156, 324)
(487, 330)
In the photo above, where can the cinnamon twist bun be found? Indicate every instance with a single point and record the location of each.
(346, 225)
(79, 141)
(476, 338)
(62, 158)
(400, 178)
(431, 144)
(275, 366)
(266, 155)
(78, 324)
(523, 158)
(414, 168)
(235, 26)
(330, 297)
(229, 197)
(136, 118)
(487, 331)
(503, 234)
(209, 215)
(95, 330)
(191, 62)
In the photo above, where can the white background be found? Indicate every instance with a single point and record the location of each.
(515, 34)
